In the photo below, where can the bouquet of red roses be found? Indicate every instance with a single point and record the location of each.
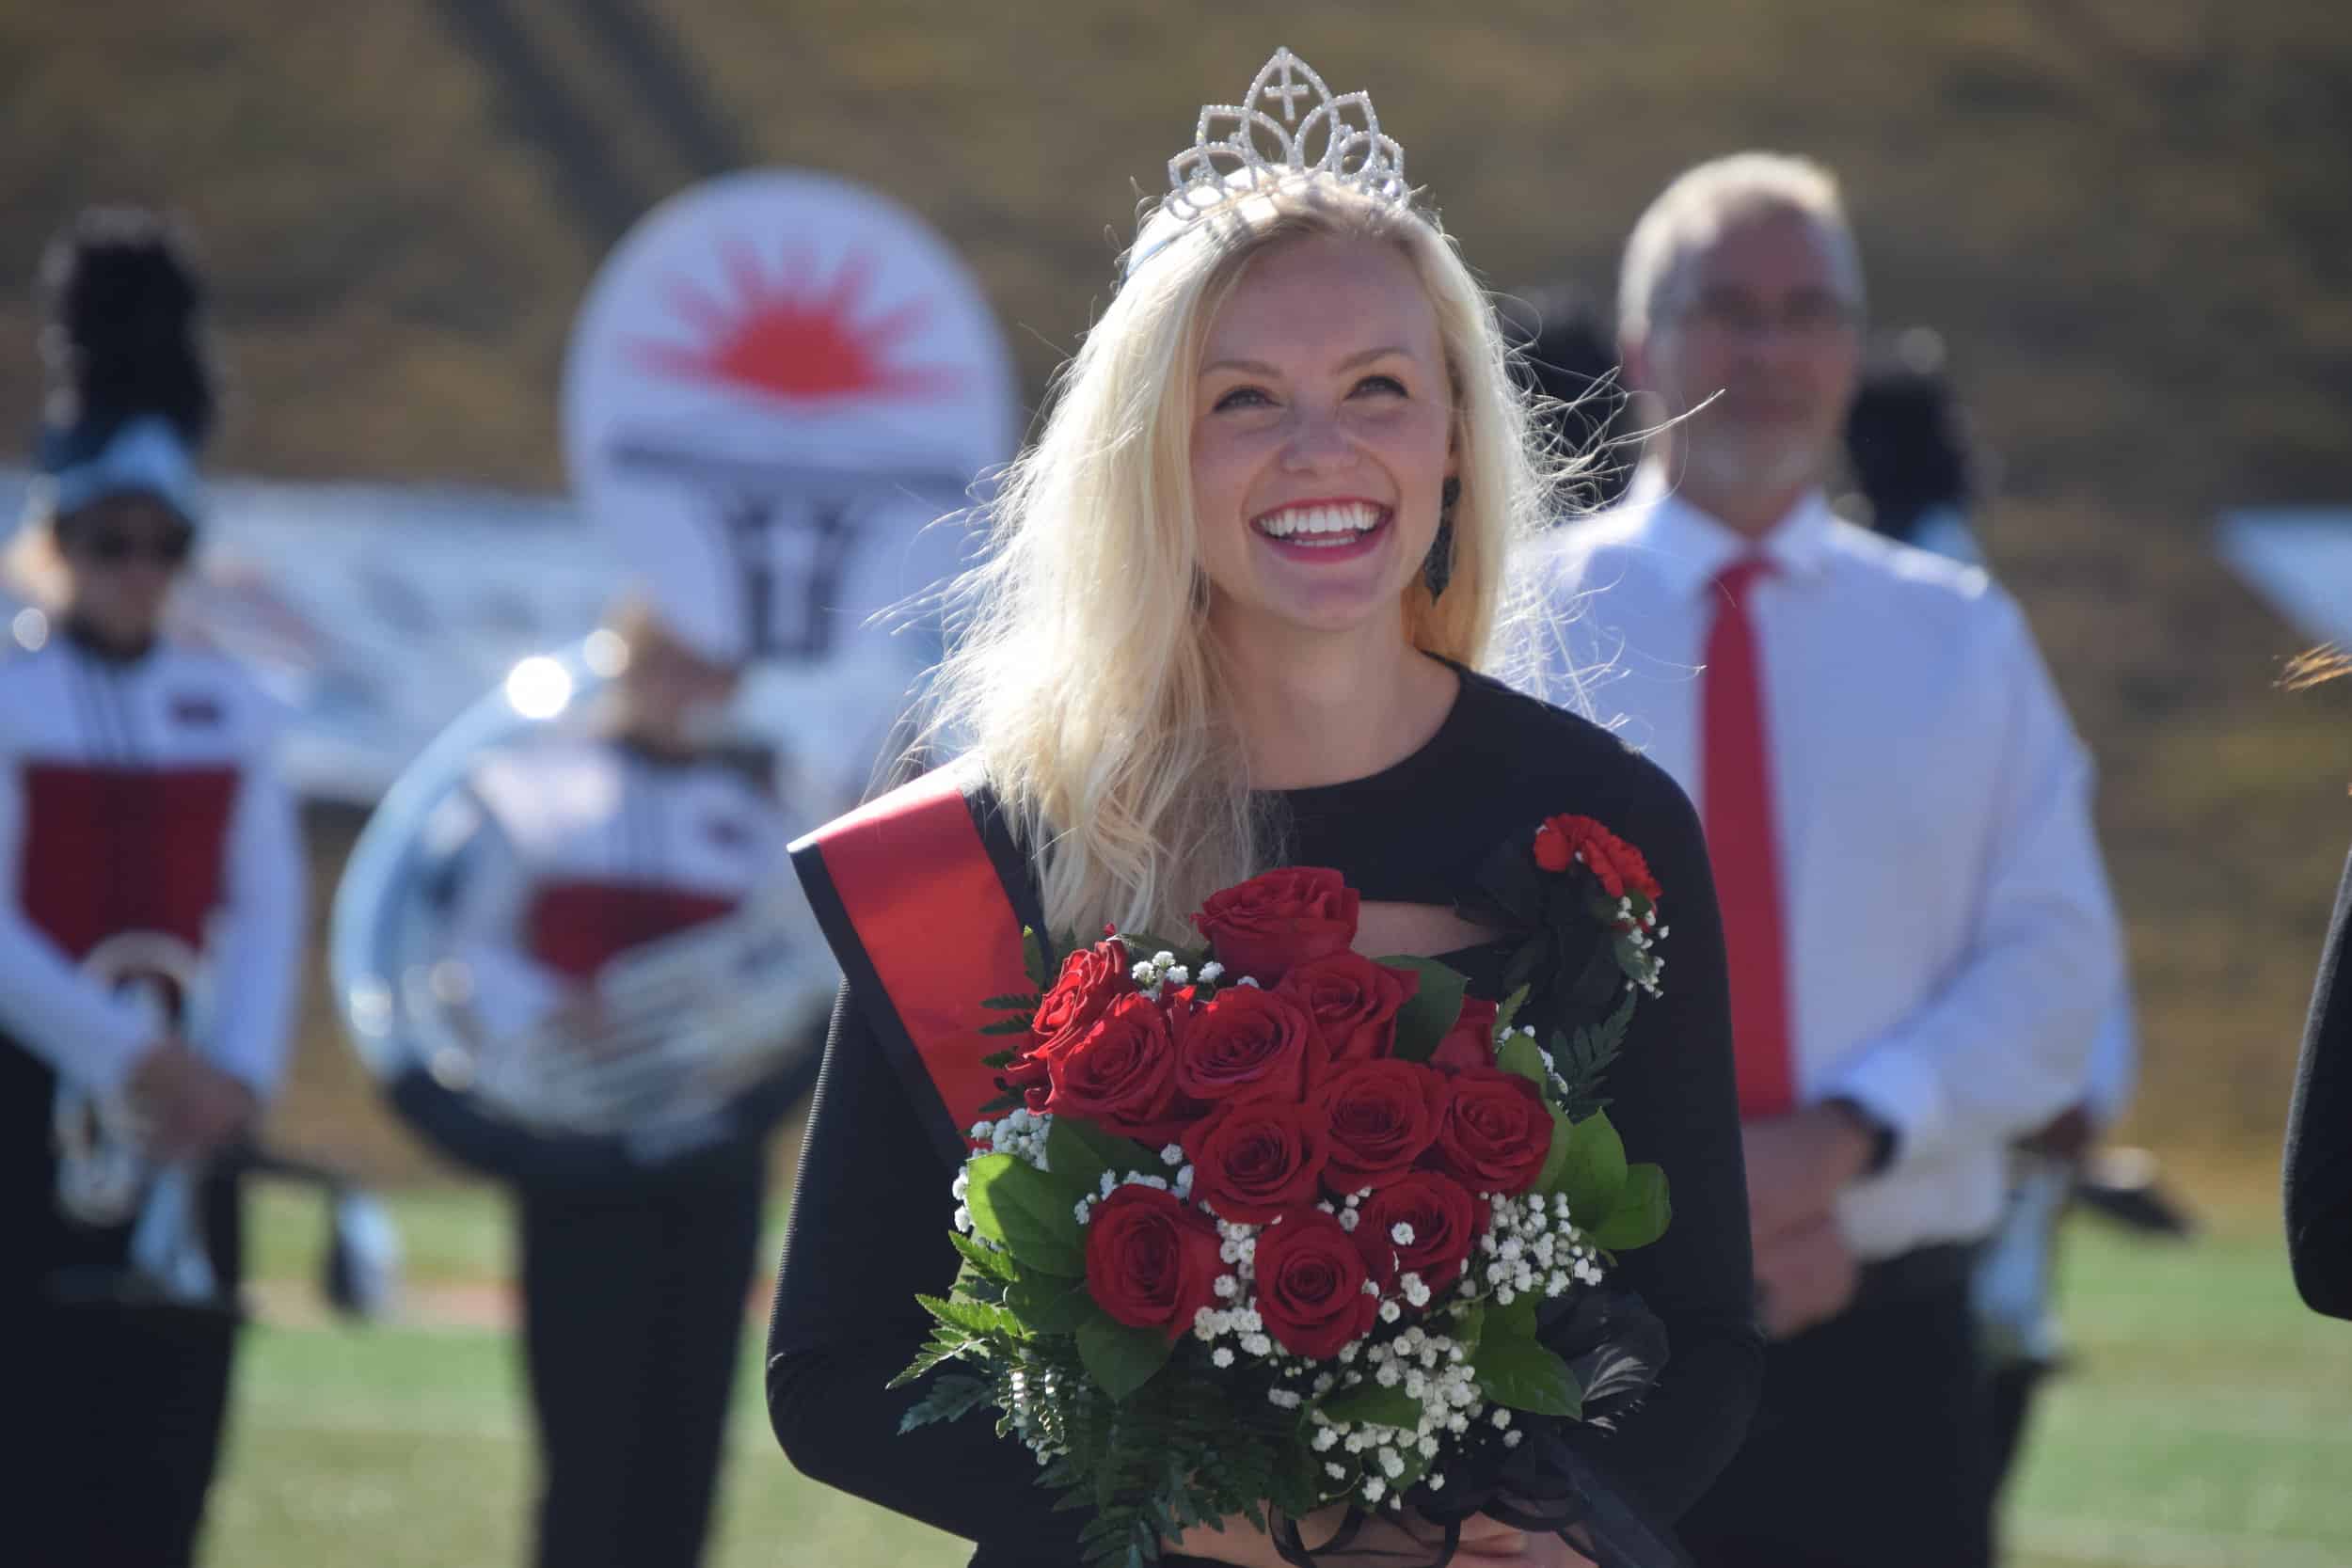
(1270, 1222)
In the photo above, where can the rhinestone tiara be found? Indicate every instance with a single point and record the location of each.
(1266, 139)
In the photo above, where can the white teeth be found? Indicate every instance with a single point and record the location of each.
(1353, 518)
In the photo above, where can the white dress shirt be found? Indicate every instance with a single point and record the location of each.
(1952, 941)
(139, 795)
(2114, 1071)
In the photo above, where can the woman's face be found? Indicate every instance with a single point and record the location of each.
(121, 555)
(1321, 437)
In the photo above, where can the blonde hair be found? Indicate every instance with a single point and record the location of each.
(1079, 669)
(1702, 202)
(31, 563)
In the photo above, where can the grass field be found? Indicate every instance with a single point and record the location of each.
(2206, 1426)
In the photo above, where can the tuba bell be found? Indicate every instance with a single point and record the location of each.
(105, 1175)
(702, 1038)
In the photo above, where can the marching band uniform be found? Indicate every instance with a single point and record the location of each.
(577, 851)
(136, 795)
(146, 848)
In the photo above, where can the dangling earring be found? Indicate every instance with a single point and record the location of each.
(1438, 570)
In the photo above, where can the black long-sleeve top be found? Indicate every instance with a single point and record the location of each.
(2319, 1131)
(870, 1214)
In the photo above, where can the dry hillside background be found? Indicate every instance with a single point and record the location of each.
(2129, 217)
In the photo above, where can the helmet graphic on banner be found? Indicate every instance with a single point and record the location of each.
(779, 384)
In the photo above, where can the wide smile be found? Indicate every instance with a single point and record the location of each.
(1335, 528)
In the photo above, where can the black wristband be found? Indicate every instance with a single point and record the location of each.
(1883, 1138)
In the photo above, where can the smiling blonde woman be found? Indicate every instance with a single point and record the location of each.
(1242, 609)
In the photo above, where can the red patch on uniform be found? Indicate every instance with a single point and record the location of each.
(111, 849)
(195, 712)
(576, 926)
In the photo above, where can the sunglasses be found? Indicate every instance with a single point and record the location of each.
(113, 546)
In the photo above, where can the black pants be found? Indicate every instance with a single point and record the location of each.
(633, 1306)
(112, 1413)
(1869, 1450)
(2013, 1389)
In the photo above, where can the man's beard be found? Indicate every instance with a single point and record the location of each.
(1755, 463)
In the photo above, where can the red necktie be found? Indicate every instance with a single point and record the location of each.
(1735, 787)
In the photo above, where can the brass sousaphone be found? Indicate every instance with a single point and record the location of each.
(702, 1039)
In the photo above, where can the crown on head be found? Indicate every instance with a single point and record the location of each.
(1271, 137)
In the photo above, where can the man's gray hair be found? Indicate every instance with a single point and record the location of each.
(1691, 213)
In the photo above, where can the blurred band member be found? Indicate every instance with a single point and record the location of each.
(1921, 480)
(1916, 471)
(1920, 938)
(150, 919)
(585, 848)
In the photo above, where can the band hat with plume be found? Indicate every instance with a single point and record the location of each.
(144, 457)
(130, 399)
(1266, 142)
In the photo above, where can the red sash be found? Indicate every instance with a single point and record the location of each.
(924, 927)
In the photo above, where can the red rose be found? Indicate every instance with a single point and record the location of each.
(1383, 1117)
(1252, 1159)
(1310, 1284)
(1244, 1044)
(1446, 1224)
(1121, 1072)
(1618, 865)
(1471, 1040)
(1031, 1075)
(1353, 1001)
(1272, 923)
(1152, 1261)
(1495, 1131)
(1091, 979)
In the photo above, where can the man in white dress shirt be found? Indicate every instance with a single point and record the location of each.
(1920, 936)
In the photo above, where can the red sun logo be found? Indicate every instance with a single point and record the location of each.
(790, 339)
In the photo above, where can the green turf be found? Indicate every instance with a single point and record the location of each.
(407, 1448)
(448, 1234)
(2208, 1424)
